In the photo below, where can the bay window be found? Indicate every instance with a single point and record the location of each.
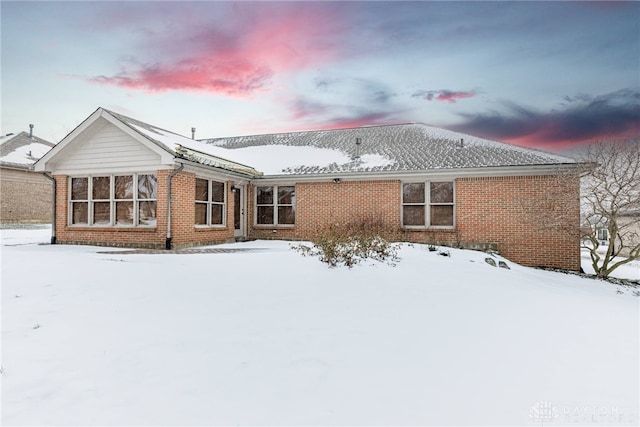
(428, 204)
(114, 200)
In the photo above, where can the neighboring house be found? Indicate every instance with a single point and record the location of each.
(629, 233)
(25, 196)
(122, 182)
(630, 221)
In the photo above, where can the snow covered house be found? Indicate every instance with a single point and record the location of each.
(122, 182)
(25, 196)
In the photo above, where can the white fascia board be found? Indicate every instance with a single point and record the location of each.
(112, 170)
(533, 170)
(45, 162)
(16, 166)
(166, 155)
(42, 163)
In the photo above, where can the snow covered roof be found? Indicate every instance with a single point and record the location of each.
(402, 147)
(184, 147)
(392, 148)
(21, 150)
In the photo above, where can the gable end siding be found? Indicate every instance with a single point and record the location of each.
(109, 149)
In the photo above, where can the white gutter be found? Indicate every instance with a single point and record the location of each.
(222, 171)
(415, 174)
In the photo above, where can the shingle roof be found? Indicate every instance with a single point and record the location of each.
(387, 148)
(183, 147)
(407, 147)
(22, 150)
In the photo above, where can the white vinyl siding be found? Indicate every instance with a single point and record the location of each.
(109, 149)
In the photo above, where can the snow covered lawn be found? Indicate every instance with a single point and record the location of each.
(270, 337)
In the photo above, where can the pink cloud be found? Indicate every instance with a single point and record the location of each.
(234, 78)
(448, 96)
(240, 58)
(443, 95)
(546, 138)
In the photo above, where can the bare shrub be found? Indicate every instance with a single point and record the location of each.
(349, 244)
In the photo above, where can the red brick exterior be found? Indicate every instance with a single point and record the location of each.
(321, 204)
(533, 220)
(183, 231)
(511, 214)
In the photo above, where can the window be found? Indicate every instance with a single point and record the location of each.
(276, 205)
(79, 200)
(428, 204)
(603, 234)
(210, 202)
(101, 200)
(111, 200)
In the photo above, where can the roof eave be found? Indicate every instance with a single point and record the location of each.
(16, 166)
(488, 171)
(227, 172)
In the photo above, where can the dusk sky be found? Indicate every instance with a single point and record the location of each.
(540, 74)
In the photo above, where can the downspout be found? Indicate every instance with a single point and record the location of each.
(53, 207)
(167, 243)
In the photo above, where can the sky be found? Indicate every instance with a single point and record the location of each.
(549, 75)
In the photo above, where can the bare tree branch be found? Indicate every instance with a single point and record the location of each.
(611, 202)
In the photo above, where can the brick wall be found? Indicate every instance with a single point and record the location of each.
(183, 231)
(24, 196)
(531, 220)
(327, 203)
(152, 237)
(524, 218)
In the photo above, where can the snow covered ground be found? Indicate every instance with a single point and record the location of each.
(270, 337)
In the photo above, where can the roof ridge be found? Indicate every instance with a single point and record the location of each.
(124, 118)
(314, 130)
(10, 137)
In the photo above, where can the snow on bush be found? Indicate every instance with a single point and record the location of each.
(348, 245)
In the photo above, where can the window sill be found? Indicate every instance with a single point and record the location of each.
(210, 227)
(272, 226)
(428, 228)
(117, 228)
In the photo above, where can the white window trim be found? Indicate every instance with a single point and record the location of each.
(112, 201)
(275, 205)
(209, 203)
(427, 205)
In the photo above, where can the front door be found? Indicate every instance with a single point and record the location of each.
(239, 221)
